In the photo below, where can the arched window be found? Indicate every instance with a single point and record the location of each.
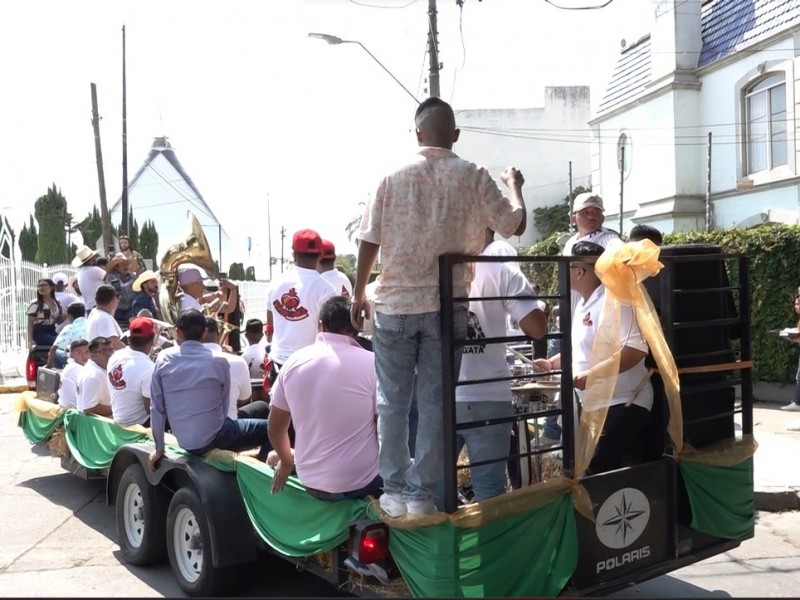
(765, 124)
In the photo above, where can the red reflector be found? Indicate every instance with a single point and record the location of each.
(373, 545)
(30, 370)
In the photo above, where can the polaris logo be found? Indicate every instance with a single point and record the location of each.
(623, 559)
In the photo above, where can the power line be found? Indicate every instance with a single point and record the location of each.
(579, 7)
(364, 4)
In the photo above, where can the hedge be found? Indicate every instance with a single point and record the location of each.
(774, 253)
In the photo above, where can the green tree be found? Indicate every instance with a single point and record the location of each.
(148, 242)
(355, 223)
(133, 231)
(91, 228)
(236, 271)
(346, 263)
(250, 274)
(28, 241)
(51, 213)
(553, 219)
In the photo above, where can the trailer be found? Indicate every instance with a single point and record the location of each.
(554, 534)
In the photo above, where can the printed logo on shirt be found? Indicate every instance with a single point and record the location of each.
(289, 306)
(587, 320)
(345, 293)
(474, 332)
(115, 377)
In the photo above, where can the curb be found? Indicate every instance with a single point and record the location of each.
(777, 500)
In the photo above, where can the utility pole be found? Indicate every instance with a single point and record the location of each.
(269, 239)
(104, 220)
(283, 236)
(433, 50)
(621, 183)
(569, 200)
(124, 221)
(708, 185)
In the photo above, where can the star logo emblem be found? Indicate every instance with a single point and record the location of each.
(622, 518)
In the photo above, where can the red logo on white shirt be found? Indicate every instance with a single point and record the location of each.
(115, 378)
(289, 306)
(587, 319)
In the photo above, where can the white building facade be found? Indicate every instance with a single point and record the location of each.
(705, 108)
(540, 142)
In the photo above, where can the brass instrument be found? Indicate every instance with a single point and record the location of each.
(193, 249)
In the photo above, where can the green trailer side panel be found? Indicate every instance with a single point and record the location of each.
(38, 429)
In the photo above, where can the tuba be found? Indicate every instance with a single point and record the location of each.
(193, 249)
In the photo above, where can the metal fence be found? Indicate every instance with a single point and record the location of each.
(18, 289)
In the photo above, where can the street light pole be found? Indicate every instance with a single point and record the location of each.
(335, 41)
(433, 50)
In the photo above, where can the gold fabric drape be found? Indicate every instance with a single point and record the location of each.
(622, 268)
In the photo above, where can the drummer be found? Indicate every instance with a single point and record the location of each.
(484, 361)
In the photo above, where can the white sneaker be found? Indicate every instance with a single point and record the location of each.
(420, 508)
(791, 407)
(393, 505)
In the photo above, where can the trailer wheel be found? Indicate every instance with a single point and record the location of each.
(141, 518)
(189, 546)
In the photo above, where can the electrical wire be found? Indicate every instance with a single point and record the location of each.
(579, 7)
(364, 4)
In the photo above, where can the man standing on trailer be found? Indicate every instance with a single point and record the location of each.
(436, 204)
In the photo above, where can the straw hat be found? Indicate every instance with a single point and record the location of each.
(83, 255)
(143, 276)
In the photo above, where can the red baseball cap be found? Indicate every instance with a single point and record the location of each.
(328, 249)
(141, 327)
(307, 241)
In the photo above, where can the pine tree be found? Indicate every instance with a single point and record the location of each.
(91, 228)
(236, 271)
(148, 242)
(51, 213)
(28, 241)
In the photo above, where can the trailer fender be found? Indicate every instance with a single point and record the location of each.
(232, 534)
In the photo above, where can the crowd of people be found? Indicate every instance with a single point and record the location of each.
(341, 410)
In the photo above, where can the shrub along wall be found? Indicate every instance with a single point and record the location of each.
(774, 253)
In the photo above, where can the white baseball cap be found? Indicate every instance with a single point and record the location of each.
(60, 277)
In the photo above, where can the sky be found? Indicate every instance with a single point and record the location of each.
(264, 119)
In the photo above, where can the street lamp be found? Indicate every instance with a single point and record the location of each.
(335, 41)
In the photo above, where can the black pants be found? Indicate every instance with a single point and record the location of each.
(623, 424)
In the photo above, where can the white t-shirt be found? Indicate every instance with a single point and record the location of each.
(339, 281)
(188, 302)
(240, 378)
(254, 356)
(66, 298)
(68, 385)
(100, 323)
(584, 328)
(89, 279)
(92, 386)
(295, 302)
(129, 375)
(487, 319)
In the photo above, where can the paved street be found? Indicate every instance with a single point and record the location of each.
(57, 538)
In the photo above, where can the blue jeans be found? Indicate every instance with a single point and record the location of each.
(403, 343)
(486, 443)
(239, 435)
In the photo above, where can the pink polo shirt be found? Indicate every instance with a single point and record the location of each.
(329, 388)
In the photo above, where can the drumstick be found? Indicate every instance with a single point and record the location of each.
(520, 355)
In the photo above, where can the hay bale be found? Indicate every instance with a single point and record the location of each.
(57, 444)
(463, 476)
(324, 559)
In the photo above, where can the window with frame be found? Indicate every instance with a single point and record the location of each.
(766, 124)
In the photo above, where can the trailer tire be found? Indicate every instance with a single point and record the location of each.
(189, 547)
(141, 511)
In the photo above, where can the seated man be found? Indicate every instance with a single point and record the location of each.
(129, 373)
(74, 329)
(93, 395)
(484, 401)
(191, 389)
(101, 320)
(328, 391)
(241, 391)
(256, 351)
(68, 384)
(632, 399)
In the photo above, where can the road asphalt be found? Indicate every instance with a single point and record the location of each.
(776, 481)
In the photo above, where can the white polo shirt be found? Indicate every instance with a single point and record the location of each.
(92, 386)
(129, 375)
(254, 356)
(339, 281)
(295, 302)
(188, 302)
(240, 378)
(100, 323)
(488, 319)
(584, 329)
(89, 279)
(68, 385)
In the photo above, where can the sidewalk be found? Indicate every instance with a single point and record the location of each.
(776, 478)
